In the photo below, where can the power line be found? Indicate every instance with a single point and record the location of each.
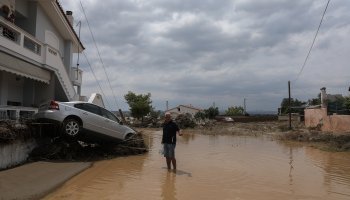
(313, 42)
(93, 73)
(99, 55)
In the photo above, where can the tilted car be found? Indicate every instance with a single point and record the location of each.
(84, 121)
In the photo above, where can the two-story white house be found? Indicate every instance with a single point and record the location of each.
(37, 43)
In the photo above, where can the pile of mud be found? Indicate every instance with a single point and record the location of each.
(251, 128)
(318, 139)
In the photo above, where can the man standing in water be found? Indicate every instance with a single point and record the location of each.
(170, 129)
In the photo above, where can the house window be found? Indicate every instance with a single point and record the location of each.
(31, 45)
(178, 109)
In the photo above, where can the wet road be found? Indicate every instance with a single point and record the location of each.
(217, 167)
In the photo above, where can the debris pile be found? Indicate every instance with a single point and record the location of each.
(185, 121)
(10, 131)
(60, 149)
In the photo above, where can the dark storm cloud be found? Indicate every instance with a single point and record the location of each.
(197, 52)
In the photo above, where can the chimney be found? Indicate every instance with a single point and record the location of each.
(323, 98)
(70, 18)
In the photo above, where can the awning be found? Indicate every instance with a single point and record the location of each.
(17, 66)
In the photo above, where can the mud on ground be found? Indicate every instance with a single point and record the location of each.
(280, 130)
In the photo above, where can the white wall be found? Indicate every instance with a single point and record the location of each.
(44, 92)
(46, 32)
(15, 153)
(182, 110)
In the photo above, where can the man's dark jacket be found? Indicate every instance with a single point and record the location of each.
(169, 132)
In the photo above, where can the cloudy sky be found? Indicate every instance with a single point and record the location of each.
(205, 52)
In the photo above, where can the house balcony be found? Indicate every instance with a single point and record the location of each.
(42, 57)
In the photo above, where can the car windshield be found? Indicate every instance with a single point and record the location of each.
(105, 113)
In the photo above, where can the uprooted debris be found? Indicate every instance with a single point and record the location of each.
(185, 121)
(59, 149)
(10, 131)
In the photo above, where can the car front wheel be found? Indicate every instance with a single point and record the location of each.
(71, 127)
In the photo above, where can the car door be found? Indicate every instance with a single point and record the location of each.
(116, 130)
(91, 117)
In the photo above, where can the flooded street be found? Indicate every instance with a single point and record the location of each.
(217, 167)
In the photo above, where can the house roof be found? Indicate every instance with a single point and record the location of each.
(59, 5)
(57, 15)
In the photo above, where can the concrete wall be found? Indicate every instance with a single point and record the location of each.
(331, 123)
(286, 118)
(15, 153)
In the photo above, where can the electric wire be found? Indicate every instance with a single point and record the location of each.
(313, 42)
(99, 55)
(93, 73)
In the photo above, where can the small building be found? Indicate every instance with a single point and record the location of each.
(326, 119)
(183, 109)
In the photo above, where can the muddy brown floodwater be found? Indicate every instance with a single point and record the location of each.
(217, 167)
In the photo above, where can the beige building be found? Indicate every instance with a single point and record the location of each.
(183, 109)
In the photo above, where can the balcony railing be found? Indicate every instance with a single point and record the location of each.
(17, 40)
(9, 33)
(19, 37)
(32, 45)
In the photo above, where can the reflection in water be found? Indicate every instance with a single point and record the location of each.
(291, 169)
(217, 167)
(168, 187)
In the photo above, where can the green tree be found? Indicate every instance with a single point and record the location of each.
(211, 112)
(293, 103)
(315, 101)
(235, 111)
(140, 105)
(347, 102)
(200, 115)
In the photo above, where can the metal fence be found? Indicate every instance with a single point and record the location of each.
(17, 113)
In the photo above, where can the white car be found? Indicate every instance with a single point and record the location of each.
(84, 121)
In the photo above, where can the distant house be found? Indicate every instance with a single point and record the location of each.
(183, 109)
(37, 43)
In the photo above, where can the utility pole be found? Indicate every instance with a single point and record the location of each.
(245, 108)
(289, 107)
(167, 105)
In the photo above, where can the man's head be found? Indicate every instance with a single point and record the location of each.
(167, 116)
